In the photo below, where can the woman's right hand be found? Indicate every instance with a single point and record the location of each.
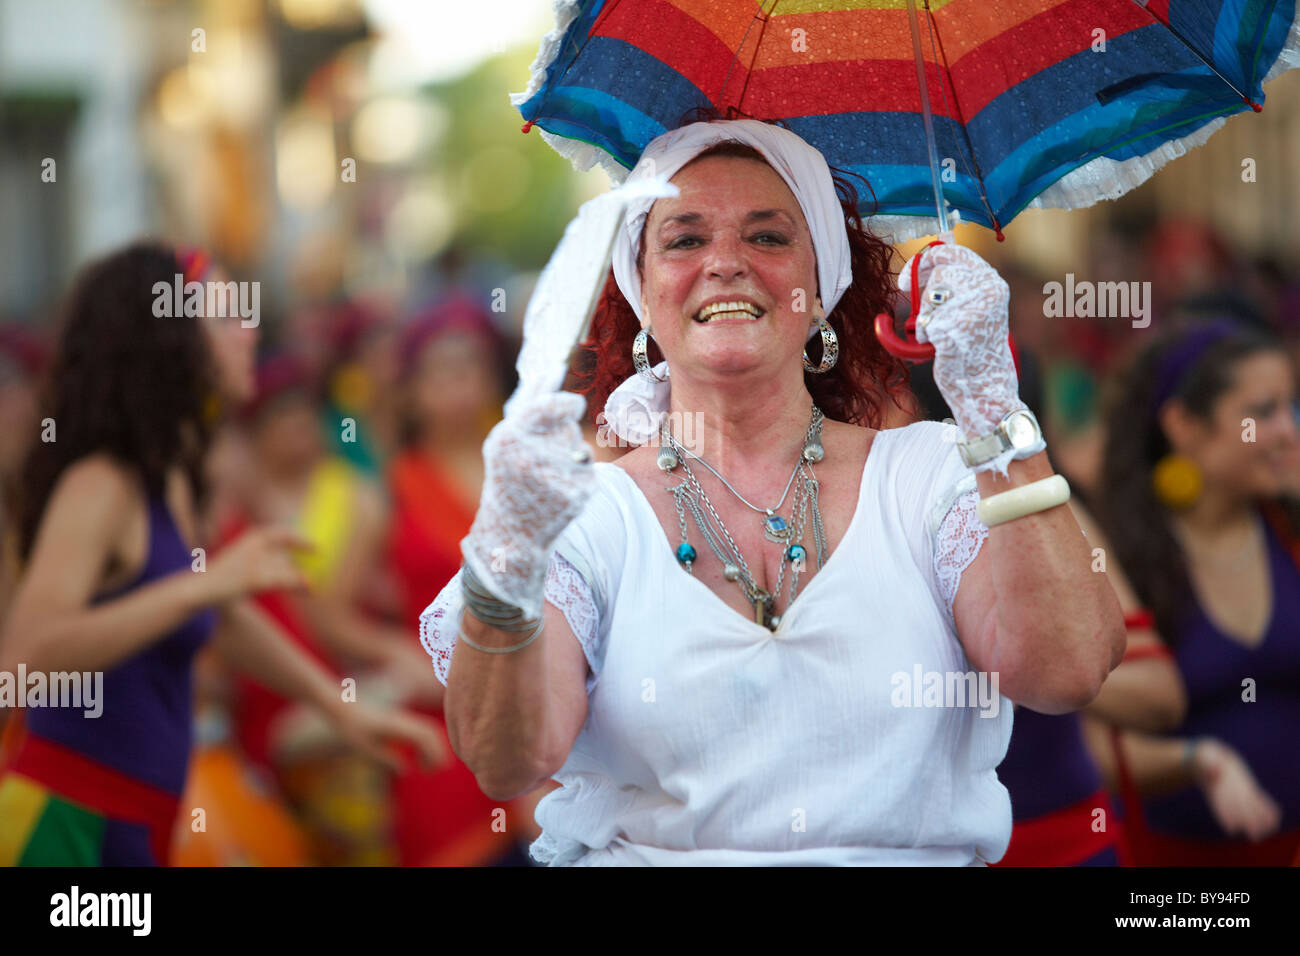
(1240, 805)
(260, 559)
(534, 485)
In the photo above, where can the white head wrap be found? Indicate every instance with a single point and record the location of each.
(635, 408)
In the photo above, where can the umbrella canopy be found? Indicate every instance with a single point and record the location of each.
(1048, 103)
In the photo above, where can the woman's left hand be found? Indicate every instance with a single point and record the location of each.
(373, 732)
(973, 366)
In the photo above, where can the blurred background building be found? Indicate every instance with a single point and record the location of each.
(327, 148)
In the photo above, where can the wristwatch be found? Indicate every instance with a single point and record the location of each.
(1018, 430)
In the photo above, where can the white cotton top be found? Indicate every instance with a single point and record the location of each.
(710, 740)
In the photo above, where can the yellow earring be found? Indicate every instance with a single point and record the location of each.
(213, 407)
(352, 389)
(1176, 480)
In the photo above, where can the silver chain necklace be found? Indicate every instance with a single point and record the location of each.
(773, 530)
(688, 494)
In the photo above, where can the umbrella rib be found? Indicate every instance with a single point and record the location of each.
(765, 16)
(758, 45)
(940, 56)
(1197, 53)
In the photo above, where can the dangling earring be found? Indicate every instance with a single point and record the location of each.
(830, 348)
(1176, 481)
(213, 407)
(641, 361)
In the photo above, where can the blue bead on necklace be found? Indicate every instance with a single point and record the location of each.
(775, 528)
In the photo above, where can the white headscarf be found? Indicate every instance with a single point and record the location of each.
(635, 408)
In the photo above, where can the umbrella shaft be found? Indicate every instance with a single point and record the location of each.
(933, 150)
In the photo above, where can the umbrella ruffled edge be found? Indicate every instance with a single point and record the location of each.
(1289, 57)
(583, 156)
(896, 229)
(566, 11)
(1104, 178)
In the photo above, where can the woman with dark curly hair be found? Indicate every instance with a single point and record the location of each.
(115, 589)
(742, 659)
(1201, 472)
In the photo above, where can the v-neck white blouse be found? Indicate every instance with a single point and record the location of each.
(710, 740)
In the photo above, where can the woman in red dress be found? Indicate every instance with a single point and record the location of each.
(452, 378)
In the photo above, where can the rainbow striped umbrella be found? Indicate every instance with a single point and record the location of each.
(982, 106)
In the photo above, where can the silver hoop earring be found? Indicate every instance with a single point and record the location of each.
(641, 361)
(830, 349)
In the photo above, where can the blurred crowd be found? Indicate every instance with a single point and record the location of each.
(364, 433)
(363, 430)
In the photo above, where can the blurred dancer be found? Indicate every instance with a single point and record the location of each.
(295, 481)
(1201, 474)
(452, 390)
(108, 523)
(359, 407)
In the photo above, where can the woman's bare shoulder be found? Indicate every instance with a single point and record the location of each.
(848, 433)
(100, 476)
(91, 507)
(638, 462)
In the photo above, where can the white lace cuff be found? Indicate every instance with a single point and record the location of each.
(958, 537)
(565, 589)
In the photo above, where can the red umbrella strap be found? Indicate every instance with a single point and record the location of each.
(919, 351)
(1140, 618)
(916, 286)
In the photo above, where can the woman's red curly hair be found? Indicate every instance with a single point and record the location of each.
(855, 390)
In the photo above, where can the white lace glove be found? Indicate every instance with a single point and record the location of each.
(532, 488)
(973, 367)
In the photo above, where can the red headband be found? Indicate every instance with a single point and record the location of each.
(194, 262)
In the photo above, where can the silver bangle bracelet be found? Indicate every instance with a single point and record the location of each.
(487, 608)
(515, 623)
(502, 650)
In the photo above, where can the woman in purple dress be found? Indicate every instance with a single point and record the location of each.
(115, 589)
(1202, 507)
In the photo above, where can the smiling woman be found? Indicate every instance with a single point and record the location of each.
(864, 379)
(700, 643)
